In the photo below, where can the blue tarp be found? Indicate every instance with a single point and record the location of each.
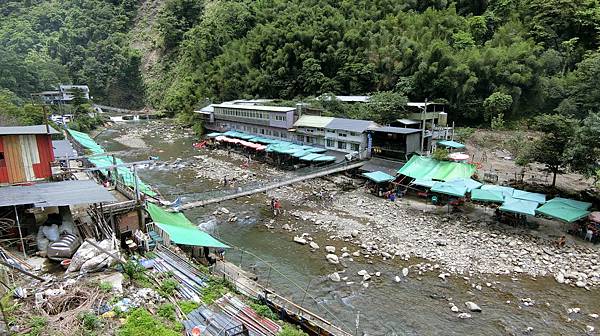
(519, 206)
(529, 196)
(506, 191)
(451, 144)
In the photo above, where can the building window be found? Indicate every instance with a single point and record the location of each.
(320, 129)
(341, 145)
(268, 132)
(343, 135)
(355, 147)
(279, 118)
(255, 130)
(262, 131)
(283, 135)
(276, 134)
(310, 130)
(352, 134)
(330, 143)
(2, 162)
(300, 138)
(330, 131)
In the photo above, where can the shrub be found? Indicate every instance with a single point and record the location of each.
(263, 310)
(105, 287)
(290, 330)
(188, 306)
(37, 324)
(168, 287)
(167, 311)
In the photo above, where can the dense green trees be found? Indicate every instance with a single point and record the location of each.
(45, 43)
(517, 58)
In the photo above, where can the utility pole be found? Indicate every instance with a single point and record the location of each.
(423, 116)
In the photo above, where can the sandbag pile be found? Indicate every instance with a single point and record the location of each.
(90, 259)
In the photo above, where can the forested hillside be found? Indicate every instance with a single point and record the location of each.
(516, 58)
(47, 42)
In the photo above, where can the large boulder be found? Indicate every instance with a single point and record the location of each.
(300, 240)
(332, 258)
(472, 306)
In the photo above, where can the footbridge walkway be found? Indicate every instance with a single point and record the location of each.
(207, 198)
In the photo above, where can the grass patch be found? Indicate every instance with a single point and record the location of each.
(167, 311)
(136, 273)
(37, 324)
(215, 289)
(91, 323)
(141, 322)
(167, 287)
(187, 306)
(290, 330)
(263, 310)
(105, 287)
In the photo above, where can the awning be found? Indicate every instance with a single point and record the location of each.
(451, 144)
(481, 195)
(389, 167)
(85, 141)
(529, 196)
(448, 188)
(56, 194)
(424, 183)
(506, 191)
(300, 153)
(469, 183)
(324, 158)
(572, 203)
(124, 173)
(421, 167)
(310, 157)
(378, 177)
(316, 150)
(519, 206)
(213, 134)
(180, 229)
(562, 211)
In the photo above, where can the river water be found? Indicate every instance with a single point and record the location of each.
(417, 305)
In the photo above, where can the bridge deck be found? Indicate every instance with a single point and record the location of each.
(267, 187)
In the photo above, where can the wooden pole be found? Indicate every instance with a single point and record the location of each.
(20, 232)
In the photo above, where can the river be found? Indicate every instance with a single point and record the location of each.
(417, 305)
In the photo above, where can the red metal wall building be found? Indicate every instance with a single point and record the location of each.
(25, 157)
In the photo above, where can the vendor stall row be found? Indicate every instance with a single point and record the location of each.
(302, 152)
(452, 180)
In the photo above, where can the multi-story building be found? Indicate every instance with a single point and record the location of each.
(339, 134)
(271, 121)
(64, 94)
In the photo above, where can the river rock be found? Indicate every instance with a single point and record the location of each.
(454, 309)
(300, 240)
(224, 210)
(313, 245)
(472, 306)
(335, 277)
(589, 329)
(405, 271)
(386, 255)
(560, 278)
(356, 254)
(366, 277)
(397, 279)
(286, 227)
(443, 276)
(332, 258)
(365, 284)
(377, 274)
(580, 284)
(464, 316)
(354, 233)
(330, 249)
(595, 316)
(362, 272)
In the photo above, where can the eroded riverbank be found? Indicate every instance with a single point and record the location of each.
(499, 268)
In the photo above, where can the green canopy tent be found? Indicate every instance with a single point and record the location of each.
(506, 191)
(310, 157)
(519, 206)
(448, 188)
(180, 229)
(572, 203)
(300, 153)
(316, 150)
(378, 176)
(529, 196)
(491, 196)
(467, 182)
(426, 168)
(324, 158)
(424, 183)
(451, 144)
(562, 211)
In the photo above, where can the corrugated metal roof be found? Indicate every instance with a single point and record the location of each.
(396, 130)
(353, 99)
(55, 194)
(257, 107)
(408, 122)
(387, 166)
(36, 129)
(63, 149)
(351, 125)
(313, 121)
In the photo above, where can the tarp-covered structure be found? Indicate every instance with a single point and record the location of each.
(519, 206)
(506, 191)
(426, 168)
(423, 183)
(100, 160)
(378, 177)
(451, 144)
(529, 196)
(565, 209)
(482, 195)
(180, 229)
(448, 188)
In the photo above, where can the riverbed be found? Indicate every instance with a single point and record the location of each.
(512, 303)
